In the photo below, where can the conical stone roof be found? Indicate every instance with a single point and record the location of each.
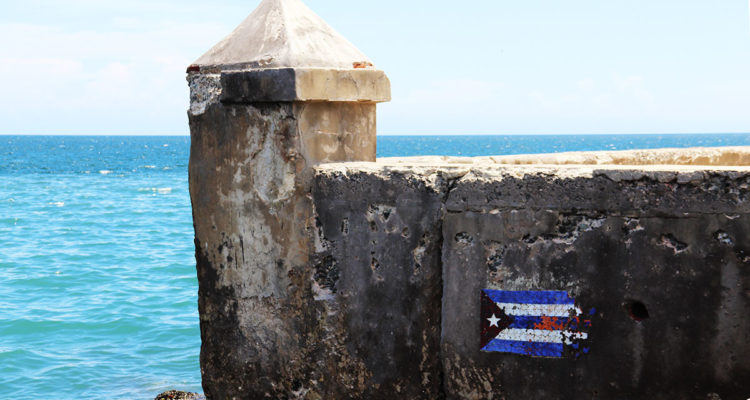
(283, 34)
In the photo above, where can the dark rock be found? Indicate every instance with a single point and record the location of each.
(178, 395)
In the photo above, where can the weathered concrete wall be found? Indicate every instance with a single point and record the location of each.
(654, 256)
(245, 194)
(250, 181)
(377, 270)
(363, 280)
(670, 245)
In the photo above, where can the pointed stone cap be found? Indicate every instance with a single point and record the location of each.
(285, 52)
(284, 34)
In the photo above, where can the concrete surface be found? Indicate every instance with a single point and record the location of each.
(283, 34)
(249, 183)
(301, 84)
(377, 271)
(347, 284)
(667, 239)
(724, 156)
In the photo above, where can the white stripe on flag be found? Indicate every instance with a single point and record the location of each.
(538, 310)
(539, 335)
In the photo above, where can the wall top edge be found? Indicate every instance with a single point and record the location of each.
(676, 160)
(239, 68)
(305, 84)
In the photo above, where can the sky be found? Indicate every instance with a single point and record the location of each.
(478, 67)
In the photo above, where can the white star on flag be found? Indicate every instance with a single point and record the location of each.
(493, 320)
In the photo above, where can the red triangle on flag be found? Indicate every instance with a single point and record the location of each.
(493, 320)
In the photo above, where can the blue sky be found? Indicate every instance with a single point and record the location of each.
(480, 67)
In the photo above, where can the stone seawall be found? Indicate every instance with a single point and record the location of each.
(619, 275)
(655, 258)
(375, 280)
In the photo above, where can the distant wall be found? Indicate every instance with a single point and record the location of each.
(698, 156)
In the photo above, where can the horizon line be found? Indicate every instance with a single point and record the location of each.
(392, 134)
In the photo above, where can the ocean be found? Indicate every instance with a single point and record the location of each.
(98, 291)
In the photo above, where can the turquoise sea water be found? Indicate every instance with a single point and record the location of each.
(98, 294)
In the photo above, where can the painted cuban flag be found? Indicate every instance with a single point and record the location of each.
(532, 323)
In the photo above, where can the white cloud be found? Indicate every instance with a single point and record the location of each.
(455, 92)
(87, 80)
(618, 97)
(618, 103)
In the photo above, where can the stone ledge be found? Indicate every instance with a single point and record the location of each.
(663, 165)
(485, 185)
(736, 156)
(305, 84)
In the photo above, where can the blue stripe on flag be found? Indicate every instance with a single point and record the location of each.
(528, 322)
(536, 349)
(529, 297)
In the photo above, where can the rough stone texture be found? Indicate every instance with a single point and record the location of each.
(178, 395)
(299, 84)
(250, 184)
(265, 85)
(669, 238)
(337, 131)
(249, 255)
(377, 271)
(609, 242)
(327, 131)
(285, 312)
